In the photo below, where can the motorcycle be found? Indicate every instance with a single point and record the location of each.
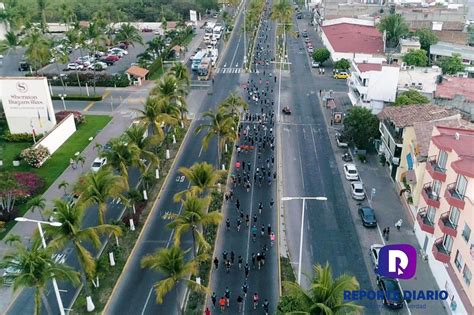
(346, 157)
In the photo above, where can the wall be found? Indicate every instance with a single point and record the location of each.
(58, 135)
(348, 20)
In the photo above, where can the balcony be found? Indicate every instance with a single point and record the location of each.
(439, 252)
(397, 134)
(446, 226)
(424, 222)
(431, 198)
(454, 198)
(436, 172)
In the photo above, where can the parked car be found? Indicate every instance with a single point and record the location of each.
(307, 40)
(367, 215)
(342, 75)
(117, 51)
(315, 64)
(393, 295)
(341, 143)
(305, 33)
(23, 66)
(299, 16)
(98, 163)
(75, 66)
(357, 191)
(111, 58)
(374, 255)
(98, 66)
(310, 49)
(146, 29)
(9, 271)
(350, 171)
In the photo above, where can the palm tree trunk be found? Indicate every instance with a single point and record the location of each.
(37, 301)
(219, 149)
(178, 309)
(46, 303)
(60, 76)
(102, 209)
(194, 243)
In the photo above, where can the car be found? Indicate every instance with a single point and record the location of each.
(357, 191)
(374, 255)
(122, 45)
(146, 29)
(315, 64)
(117, 51)
(9, 271)
(98, 66)
(75, 66)
(98, 163)
(367, 215)
(213, 42)
(24, 66)
(305, 33)
(299, 16)
(310, 49)
(342, 75)
(393, 294)
(307, 40)
(350, 171)
(111, 58)
(341, 143)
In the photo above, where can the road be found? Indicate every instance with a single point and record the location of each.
(137, 283)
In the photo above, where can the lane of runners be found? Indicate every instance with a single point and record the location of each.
(245, 266)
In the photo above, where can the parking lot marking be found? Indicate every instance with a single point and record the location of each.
(89, 106)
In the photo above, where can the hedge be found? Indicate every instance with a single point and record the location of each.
(79, 97)
(101, 79)
(19, 137)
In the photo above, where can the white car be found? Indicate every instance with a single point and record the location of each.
(98, 163)
(117, 51)
(315, 64)
(357, 191)
(350, 171)
(214, 42)
(310, 49)
(75, 66)
(98, 66)
(374, 254)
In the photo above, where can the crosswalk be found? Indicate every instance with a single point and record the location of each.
(228, 70)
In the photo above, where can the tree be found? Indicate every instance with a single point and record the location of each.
(170, 89)
(416, 57)
(63, 185)
(121, 155)
(42, 7)
(9, 192)
(233, 103)
(470, 32)
(170, 262)
(222, 126)
(202, 177)
(395, 27)
(427, 38)
(193, 217)
(11, 41)
(451, 65)
(153, 115)
(282, 11)
(325, 296)
(321, 55)
(411, 97)
(135, 134)
(342, 64)
(129, 34)
(72, 231)
(73, 37)
(37, 48)
(97, 187)
(362, 126)
(35, 267)
(37, 203)
(181, 73)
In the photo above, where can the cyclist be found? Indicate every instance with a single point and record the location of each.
(254, 233)
(266, 306)
(227, 296)
(245, 289)
(240, 301)
(255, 300)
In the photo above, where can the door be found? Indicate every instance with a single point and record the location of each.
(425, 244)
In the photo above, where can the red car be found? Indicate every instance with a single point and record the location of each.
(147, 30)
(112, 58)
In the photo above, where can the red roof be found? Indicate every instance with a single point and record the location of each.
(353, 38)
(452, 86)
(364, 67)
(464, 148)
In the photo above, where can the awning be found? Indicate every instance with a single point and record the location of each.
(137, 72)
(409, 161)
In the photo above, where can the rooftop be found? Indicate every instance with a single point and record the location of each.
(460, 141)
(364, 67)
(448, 49)
(454, 37)
(407, 115)
(411, 78)
(452, 86)
(137, 71)
(353, 38)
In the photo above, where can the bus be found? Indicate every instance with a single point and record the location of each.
(204, 69)
(217, 32)
(197, 59)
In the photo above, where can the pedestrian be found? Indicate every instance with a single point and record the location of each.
(262, 230)
(266, 306)
(387, 233)
(240, 300)
(272, 203)
(227, 223)
(255, 300)
(214, 299)
(245, 289)
(255, 218)
(254, 233)
(237, 203)
(232, 257)
(384, 231)
(224, 255)
(207, 311)
(259, 260)
(222, 303)
(216, 262)
(239, 223)
(227, 295)
(253, 260)
(240, 261)
(269, 229)
(262, 258)
(227, 266)
(260, 207)
(247, 270)
(398, 224)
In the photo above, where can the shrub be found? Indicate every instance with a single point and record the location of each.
(79, 97)
(102, 79)
(29, 182)
(19, 137)
(78, 117)
(35, 156)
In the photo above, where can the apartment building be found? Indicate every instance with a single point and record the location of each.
(445, 216)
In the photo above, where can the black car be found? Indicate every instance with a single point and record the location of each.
(367, 215)
(23, 66)
(305, 33)
(299, 15)
(393, 295)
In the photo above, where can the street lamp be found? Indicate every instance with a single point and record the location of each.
(43, 241)
(62, 96)
(319, 198)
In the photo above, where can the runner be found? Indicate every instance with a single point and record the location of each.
(255, 300)
(245, 289)
(240, 301)
(266, 306)
(222, 303)
(214, 299)
(227, 295)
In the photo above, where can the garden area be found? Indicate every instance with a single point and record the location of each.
(23, 182)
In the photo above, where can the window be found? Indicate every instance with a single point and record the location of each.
(461, 185)
(447, 243)
(467, 275)
(430, 214)
(442, 159)
(436, 187)
(458, 261)
(454, 216)
(466, 232)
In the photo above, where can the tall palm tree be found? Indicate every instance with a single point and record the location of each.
(42, 7)
(63, 185)
(34, 268)
(129, 34)
(71, 230)
(154, 116)
(325, 295)
(202, 177)
(67, 14)
(97, 187)
(61, 56)
(171, 264)
(37, 48)
(222, 126)
(136, 135)
(73, 38)
(193, 217)
(282, 12)
(122, 155)
(181, 73)
(172, 90)
(395, 27)
(233, 103)
(37, 203)
(11, 42)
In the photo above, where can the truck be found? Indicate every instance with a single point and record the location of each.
(217, 32)
(196, 61)
(214, 54)
(205, 69)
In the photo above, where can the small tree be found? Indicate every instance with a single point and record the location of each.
(416, 57)
(451, 65)
(427, 38)
(342, 64)
(411, 97)
(395, 27)
(321, 55)
(362, 126)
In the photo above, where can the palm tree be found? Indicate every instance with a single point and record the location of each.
(67, 14)
(96, 39)
(152, 114)
(233, 103)
(171, 264)
(122, 155)
(181, 73)
(73, 37)
(97, 187)
(129, 34)
(325, 296)
(282, 12)
(37, 203)
(71, 230)
(202, 177)
(37, 48)
(130, 199)
(63, 185)
(11, 42)
(222, 126)
(395, 27)
(172, 90)
(34, 268)
(42, 7)
(136, 135)
(193, 217)
(61, 56)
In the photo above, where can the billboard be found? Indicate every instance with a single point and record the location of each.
(193, 16)
(27, 104)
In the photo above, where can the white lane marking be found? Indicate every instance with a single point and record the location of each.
(301, 165)
(236, 49)
(147, 299)
(200, 151)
